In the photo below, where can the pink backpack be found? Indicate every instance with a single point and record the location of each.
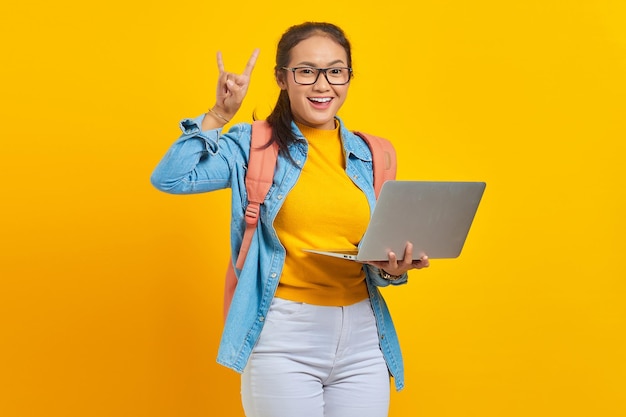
(261, 175)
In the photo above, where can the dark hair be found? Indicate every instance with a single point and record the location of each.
(281, 117)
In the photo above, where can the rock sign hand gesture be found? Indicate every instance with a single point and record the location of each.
(231, 88)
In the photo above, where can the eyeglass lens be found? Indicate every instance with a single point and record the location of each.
(308, 75)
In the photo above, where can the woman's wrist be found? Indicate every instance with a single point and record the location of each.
(218, 115)
(386, 275)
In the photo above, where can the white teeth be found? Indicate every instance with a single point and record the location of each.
(320, 99)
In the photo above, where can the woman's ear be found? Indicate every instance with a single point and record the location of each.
(280, 80)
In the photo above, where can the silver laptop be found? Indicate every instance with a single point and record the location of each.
(435, 216)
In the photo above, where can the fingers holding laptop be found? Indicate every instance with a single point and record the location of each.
(393, 266)
(420, 263)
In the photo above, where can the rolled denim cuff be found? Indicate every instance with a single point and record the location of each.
(192, 128)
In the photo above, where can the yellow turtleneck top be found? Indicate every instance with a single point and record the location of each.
(325, 209)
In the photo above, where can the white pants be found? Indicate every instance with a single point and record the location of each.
(315, 361)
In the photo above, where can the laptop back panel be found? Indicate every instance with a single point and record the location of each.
(435, 216)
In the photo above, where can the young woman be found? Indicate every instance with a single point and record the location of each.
(311, 334)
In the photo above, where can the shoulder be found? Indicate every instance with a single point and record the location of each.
(240, 130)
(239, 133)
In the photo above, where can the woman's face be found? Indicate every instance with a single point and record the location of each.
(317, 104)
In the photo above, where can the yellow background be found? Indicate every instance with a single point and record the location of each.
(110, 292)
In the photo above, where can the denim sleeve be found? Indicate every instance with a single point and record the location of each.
(379, 281)
(200, 161)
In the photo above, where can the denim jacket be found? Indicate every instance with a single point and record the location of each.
(202, 161)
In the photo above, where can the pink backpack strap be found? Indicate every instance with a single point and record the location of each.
(259, 179)
(383, 159)
(230, 284)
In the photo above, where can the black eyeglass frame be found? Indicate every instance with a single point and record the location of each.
(319, 71)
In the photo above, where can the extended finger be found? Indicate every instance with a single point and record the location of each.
(408, 253)
(393, 260)
(220, 62)
(251, 62)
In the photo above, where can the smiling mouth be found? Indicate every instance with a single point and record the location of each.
(320, 100)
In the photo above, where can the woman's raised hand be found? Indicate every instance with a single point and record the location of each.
(231, 87)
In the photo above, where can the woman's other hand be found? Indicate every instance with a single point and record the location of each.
(396, 267)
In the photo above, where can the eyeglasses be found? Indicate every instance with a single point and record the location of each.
(309, 75)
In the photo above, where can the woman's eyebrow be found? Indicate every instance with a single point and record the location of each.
(310, 64)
